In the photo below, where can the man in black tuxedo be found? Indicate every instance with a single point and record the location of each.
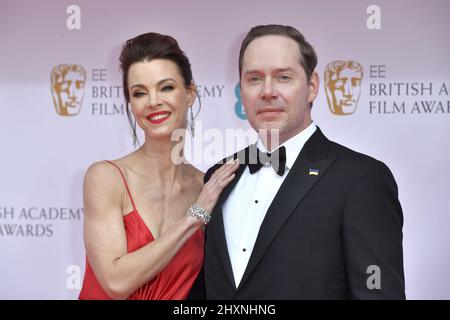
(309, 219)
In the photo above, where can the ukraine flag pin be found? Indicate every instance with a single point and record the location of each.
(313, 172)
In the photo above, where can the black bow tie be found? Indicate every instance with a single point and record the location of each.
(277, 160)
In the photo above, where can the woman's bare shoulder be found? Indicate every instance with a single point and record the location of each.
(102, 179)
(99, 171)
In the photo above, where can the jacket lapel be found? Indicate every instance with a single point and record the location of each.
(217, 227)
(293, 190)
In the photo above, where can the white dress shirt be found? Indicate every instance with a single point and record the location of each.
(247, 204)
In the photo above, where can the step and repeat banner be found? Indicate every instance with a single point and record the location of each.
(385, 91)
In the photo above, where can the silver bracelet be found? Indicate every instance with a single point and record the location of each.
(199, 213)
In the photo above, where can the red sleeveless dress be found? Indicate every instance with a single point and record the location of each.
(174, 282)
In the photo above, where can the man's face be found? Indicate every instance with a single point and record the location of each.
(274, 89)
(343, 91)
(69, 92)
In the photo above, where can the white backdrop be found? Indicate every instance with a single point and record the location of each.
(45, 155)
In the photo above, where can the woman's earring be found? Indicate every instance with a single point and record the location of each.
(192, 123)
(135, 138)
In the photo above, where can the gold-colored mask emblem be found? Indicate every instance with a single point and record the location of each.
(67, 86)
(343, 86)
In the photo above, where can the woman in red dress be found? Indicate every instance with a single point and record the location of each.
(144, 212)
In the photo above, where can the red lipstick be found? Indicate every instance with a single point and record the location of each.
(158, 117)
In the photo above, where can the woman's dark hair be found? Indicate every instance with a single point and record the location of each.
(147, 47)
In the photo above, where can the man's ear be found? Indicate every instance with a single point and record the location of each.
(313, 86)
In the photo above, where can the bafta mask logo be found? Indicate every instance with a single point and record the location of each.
(343, 86)
(67, 85)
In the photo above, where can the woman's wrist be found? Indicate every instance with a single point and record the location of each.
(199, 213)
(193, 222)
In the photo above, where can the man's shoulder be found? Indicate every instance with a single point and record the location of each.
(320, 147)
(355, 159)
(349, 154)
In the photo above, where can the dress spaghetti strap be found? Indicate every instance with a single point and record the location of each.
(125, 181)
(173, 282)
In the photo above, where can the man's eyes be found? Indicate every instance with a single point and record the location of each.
(254, 79)
(284, 77)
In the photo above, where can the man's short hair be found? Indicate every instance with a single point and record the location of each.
(308, 57)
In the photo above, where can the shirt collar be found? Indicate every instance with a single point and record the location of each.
(293, 146)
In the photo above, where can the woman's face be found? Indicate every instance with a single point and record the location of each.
(159, 99)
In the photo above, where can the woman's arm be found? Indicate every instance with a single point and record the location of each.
(118, 272)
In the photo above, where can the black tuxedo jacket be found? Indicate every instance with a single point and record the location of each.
(335, 235)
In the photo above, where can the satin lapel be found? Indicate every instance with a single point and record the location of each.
(293, 190)
(217, 226)
(218, 234)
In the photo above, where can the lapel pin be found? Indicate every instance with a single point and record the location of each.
(313, 172)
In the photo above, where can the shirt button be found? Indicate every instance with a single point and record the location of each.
(256, 201)
(244, 249)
